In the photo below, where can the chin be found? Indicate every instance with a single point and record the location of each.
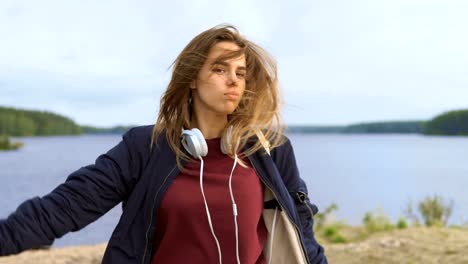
(228, 110)
(231, 110)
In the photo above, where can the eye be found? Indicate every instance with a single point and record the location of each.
(219, 70)
(241, 74)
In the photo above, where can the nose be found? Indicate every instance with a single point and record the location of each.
(232, 78)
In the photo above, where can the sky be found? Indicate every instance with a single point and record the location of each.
(107, 63)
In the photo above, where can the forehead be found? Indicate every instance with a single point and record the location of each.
(221, 48)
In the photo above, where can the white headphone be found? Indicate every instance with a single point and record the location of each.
(194, 142)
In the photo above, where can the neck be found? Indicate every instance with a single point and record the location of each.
(211, 125)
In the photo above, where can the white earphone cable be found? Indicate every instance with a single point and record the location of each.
(208, 211)
(234, 208)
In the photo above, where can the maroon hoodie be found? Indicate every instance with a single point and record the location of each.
(182, 232)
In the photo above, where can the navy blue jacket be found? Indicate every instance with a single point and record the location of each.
(131, 174)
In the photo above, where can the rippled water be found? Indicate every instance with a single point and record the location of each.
(358, 172)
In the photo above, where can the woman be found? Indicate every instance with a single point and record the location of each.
(213, 181)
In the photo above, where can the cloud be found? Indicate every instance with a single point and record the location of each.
(339, 61)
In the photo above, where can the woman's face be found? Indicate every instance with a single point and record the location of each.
(220, 84)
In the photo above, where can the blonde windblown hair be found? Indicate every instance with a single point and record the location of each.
(258, 110)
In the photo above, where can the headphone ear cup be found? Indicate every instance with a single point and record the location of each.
(187, 142)
(194, 143)
(203, 147)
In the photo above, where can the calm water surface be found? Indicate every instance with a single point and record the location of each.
(358, 172)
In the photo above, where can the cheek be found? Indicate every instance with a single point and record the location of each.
(212, 86)
(242, 89)
(207, 93)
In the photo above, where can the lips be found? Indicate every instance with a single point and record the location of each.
(232, 95)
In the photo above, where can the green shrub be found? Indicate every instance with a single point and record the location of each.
(402, 224)
(332, 232)
(320, 219)
(5, 143)
(338, 238)
(376, 222)
(410, 214)
(435, 211)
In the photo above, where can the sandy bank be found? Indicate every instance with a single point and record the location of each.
(413, 245)
(67, 255)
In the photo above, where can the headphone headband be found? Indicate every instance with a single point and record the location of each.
(194, 142)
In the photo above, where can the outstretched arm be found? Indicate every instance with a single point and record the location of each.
(87, 194)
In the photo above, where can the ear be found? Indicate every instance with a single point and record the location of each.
(193, 84)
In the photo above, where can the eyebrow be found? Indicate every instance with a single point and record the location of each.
(223, 63)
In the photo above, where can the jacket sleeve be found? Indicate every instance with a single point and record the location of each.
(87, 194)
(286, 162)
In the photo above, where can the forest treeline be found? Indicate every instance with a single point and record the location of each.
(19, 122)
(448, 123)
(109, 130)
(404, 127)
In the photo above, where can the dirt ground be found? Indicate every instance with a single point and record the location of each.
(413, 245)
(67, 255)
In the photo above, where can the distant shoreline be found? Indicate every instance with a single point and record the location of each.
(20, 122)
(6, 144)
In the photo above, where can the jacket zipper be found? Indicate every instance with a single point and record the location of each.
(298, 230)
(310, 209)
(303, 201)
(151, 216)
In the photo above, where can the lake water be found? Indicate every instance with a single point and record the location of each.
(359, 173)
